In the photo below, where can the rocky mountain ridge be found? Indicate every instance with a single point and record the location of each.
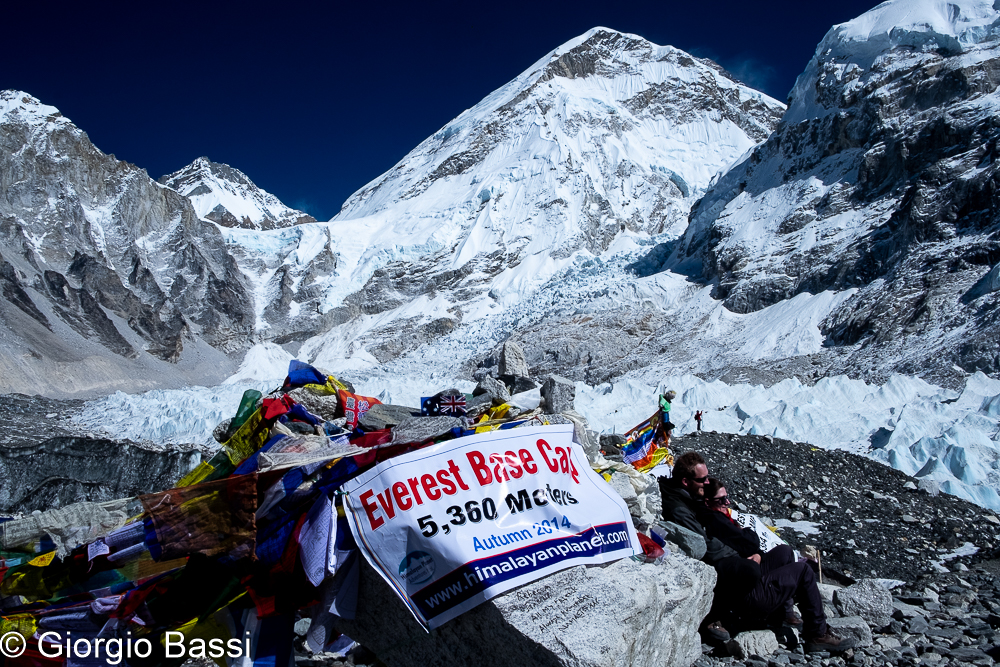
(880, 181)
(863, 228)
(106, 274)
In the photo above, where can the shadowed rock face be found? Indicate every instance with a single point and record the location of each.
(99, 255)
(45, 462)
(65, 470)
(882, 178)
(559, 620)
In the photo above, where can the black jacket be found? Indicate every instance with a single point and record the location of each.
(743, 540)
(737, 576)
(679, 507)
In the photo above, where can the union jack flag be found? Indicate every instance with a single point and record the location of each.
(454, 405)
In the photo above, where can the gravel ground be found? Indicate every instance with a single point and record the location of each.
(870, 524)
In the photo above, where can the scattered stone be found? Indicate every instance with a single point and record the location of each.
(623, 487)
(221, 431)
(929, 486)
(615, 440)
(558, 394)
(853, 627)
(752, 643)
(478, 405)
(382, 415)
(322, 405)
(302, 626)
(512, 360)
(422, 429)
(866, 599)
(493, 388)
(826, 592)
(519, 385)
(690, 542)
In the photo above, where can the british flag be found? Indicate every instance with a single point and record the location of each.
(453, 405)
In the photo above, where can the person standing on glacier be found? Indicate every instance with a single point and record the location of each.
(665, 426)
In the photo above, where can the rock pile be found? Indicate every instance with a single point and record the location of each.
(939, 619)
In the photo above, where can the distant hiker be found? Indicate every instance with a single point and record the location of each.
(749, 589)
(665, 427)
(697, 418)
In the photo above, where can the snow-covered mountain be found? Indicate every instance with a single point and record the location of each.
(880, 182)
(225, 195)
(109, 280)
(603, 144)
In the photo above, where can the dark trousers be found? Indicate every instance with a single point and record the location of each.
(783, 580)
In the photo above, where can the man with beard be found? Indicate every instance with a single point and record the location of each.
(747, 588)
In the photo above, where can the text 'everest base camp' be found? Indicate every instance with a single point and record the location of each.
(629, 364)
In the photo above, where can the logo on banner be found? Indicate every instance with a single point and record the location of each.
(417, 567)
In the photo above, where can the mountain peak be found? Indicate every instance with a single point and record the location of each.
(19, 105)
(887, 40)
(227, 196)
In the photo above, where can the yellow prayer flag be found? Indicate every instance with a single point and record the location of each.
(43, 560)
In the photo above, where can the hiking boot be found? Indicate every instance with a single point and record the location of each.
(829, 642)
(714, 634)
(793, 619)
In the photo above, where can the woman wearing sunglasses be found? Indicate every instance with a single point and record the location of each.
(717, 518)
(715, 515)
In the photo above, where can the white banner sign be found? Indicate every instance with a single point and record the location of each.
(768, 539)
(453, 525)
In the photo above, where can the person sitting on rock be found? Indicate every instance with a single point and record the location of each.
(716, 518)
(751, 587)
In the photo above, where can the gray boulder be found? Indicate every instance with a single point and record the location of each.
(493, 388)
(512, 360)
(852, 627)
(381, 415)
(558, 394)
(321, 405)
(623, 487)
(582, 433)
(929, 486)
(826, 592)
(520, 384)
(754, 642)
(477, 407)
(612, 440)
(690, 542)
(221, 432)
(866, 599)
(558, 621)
(422, 429)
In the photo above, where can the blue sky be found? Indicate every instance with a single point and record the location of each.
(313, 100)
